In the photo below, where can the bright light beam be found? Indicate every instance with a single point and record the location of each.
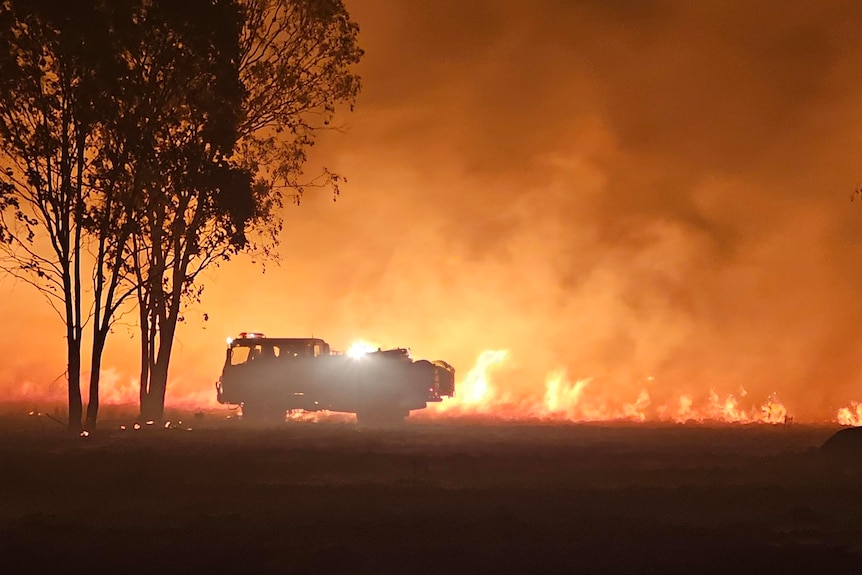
(360, 348)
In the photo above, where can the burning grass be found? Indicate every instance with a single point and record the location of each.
(583, 400)
(480, 395)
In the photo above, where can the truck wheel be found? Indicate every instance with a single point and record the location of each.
(261, 414)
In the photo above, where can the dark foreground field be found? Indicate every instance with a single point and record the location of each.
(445, 498)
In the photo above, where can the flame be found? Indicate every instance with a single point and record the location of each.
(475, 394)
(684, 409)
(475, 388)
(774, 412)
(568, 402)
(850, 415)
(560, 397)
(585, 400)
(479, 393)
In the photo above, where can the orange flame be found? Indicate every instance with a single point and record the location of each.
(850, 415)
(582, 400)
(475, 389)
(478, 394)
(568, 402)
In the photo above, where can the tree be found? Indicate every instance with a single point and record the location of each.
(52, 62)
(102, 105)
(196, 210)
(158, 48)
(295, 64)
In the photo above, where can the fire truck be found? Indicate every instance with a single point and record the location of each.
(268, 376)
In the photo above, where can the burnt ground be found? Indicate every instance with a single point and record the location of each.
(430, 497)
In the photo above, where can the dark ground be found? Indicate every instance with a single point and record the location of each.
(444, 498)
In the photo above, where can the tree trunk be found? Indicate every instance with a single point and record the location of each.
(158, 383)
(156, 397)
(144, 393)
(95, 373)
(74, 374)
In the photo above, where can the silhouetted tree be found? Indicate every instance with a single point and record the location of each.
(181, 103)
(295, 64)
(106, 109)
(57, 63)
(201, 202)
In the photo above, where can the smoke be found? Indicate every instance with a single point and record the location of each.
(647, 195)
(622, 195)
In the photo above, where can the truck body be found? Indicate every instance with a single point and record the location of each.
(270, 376)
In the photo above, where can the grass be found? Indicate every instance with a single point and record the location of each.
(442, 498)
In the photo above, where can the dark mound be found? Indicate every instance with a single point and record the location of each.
(847, 442)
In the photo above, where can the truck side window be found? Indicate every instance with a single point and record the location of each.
(316, 350)
(254, 353)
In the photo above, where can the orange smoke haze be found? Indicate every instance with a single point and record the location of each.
(646, 205)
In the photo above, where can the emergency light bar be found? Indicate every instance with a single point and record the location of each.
(251, 335)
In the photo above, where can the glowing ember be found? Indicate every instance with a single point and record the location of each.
(318, 416)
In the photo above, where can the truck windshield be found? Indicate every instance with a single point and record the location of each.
(240, 354)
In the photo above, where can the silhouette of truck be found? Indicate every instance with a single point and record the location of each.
(269, 376)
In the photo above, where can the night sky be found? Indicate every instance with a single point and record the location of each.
(654, 195)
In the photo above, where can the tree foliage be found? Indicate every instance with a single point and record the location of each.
(54, 60)
(294, 65)
(297, 65)
(142, 141)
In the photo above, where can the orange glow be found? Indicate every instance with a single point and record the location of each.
(583, 400)
(474, 394)
(360, 348)
(850, 415)
(116, 388)
(570, 402)
(481, 392)
(637, 259)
